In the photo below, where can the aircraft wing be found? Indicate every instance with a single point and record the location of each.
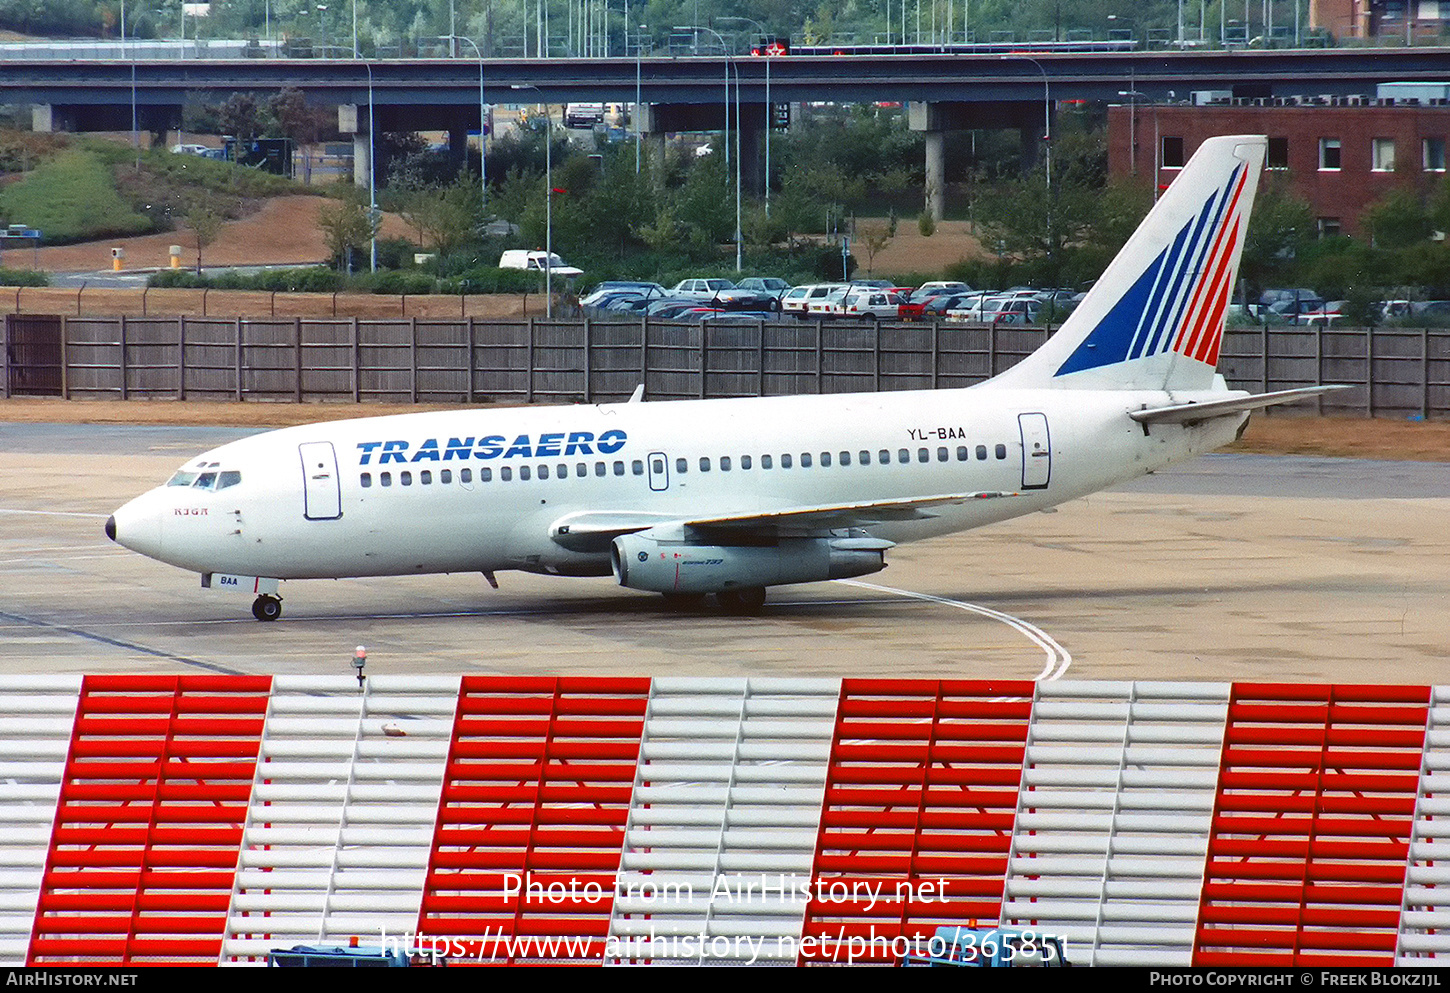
(845, 515)
(592, 531)
(1192, 413)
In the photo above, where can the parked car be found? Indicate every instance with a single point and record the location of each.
(708, 289)
(870, 301)
(814, 294)
(764, 286)
(518, 258)
(612, 286)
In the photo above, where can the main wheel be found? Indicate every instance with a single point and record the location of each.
(747, 600)
(266, 608)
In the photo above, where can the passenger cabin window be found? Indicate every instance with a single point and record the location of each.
(366, 480)
(981, 452)
(525, 473)
(765, 462)
(724, 463)
(865, 457)
(805, 460)
(425, 477)
(505, 474)
(704, 464)
(484, 475)
(1001, 451)
(785, 461)
(445, 475)
(745, 462)
(406, 478)
(638, 467)
(386, 479)
(466, 475)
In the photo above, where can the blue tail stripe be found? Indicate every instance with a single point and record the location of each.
(1171, 259)
(1107, 344)
(1217, 211)
(1172, 308)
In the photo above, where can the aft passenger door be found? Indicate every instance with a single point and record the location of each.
(1036, 451)
(321, 489)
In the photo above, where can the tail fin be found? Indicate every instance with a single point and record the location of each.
(1155, 319)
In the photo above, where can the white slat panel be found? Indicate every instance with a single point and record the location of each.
(37, 714)
(1113, 818)
(723, 821)
(342, 812)
(1424, 937)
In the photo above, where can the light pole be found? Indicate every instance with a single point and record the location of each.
(548, 199)
(769, 107)
(482, 133)
(372, 180)
(729, 64)
(1046, 138)
(638, 119)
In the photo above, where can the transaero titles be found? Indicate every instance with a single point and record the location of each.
(493, 446)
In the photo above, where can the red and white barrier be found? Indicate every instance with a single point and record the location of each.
(496, 819)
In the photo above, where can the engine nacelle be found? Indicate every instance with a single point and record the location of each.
(644, 562)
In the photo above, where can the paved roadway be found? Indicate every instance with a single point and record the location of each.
(1231, 567)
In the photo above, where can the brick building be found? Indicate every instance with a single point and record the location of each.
(1339, 156)
(1417, 21)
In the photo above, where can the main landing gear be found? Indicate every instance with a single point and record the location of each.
(267, 607)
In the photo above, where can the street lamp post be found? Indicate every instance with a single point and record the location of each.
(482, 132)
(372, 179)
(548, 199)
(729, 64)
(769, 107)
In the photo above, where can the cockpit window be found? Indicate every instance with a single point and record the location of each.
(182, 478)
(229, 478)
(205, 481)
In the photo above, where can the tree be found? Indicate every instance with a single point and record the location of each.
(302, 123)
(443, 218)
(347, 224)
(205, 223)
(1281, 228)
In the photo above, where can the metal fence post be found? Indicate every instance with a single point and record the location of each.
(876, 361)
(935, 352)
(356, 356)
(239, 357)
(413, 357)
(1264, 350)
(1319, 367)
(820, 355)
(5, 359)
(588, 358)
(468, 358)
(644, 351)
(64, 357)
(704, 327)
(297, 356)
(529, 356)
(1425, 373)
(991, 350)
(124, 376)
(1369, 372)
(760, 359)
(181, 358)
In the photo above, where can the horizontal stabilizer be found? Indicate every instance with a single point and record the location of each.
(1192, 413)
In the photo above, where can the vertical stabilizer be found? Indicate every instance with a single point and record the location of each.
(1155, 319)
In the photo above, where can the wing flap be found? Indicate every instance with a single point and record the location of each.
(846, 515)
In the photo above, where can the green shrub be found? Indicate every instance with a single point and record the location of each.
(23, 277)
(71, 198)
(395, 282)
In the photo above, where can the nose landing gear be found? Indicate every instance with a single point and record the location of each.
(267, 607)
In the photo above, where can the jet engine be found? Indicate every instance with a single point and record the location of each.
(643, 561)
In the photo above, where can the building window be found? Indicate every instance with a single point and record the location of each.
(1382, 154)
(1278, 157)
(1329, 227)
(1329, 154)
(1434, 154)
(1170, 152)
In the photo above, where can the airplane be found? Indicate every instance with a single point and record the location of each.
(729, 497)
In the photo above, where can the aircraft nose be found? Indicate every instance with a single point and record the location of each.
(137, 526)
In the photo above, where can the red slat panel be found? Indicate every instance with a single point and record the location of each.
(1317, 787)
(539, 778)
(145, 843)
(922, 785)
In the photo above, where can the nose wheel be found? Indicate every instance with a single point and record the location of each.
(267, 607)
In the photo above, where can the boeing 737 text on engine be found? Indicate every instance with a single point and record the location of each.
(729, 497)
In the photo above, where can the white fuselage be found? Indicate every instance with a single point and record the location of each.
(426, 493)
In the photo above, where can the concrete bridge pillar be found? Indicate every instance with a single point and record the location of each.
(925, 117)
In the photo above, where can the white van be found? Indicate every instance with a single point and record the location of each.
(518, 258)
